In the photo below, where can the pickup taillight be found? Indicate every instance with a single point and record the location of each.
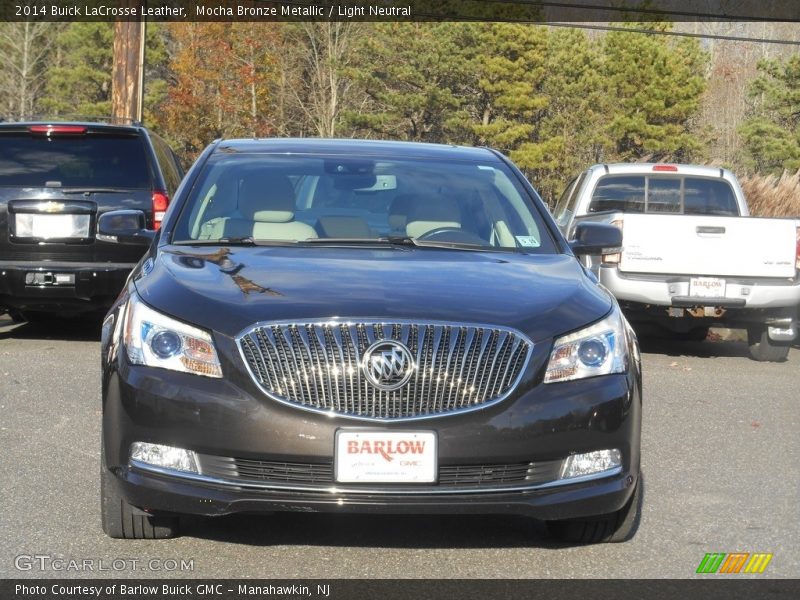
(797, 249)
(612, 259)
(160, 204)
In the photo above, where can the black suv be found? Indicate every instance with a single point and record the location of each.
(56, 179)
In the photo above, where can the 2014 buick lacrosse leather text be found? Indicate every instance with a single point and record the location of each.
(360, 326)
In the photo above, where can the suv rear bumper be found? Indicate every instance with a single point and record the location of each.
(89, 286)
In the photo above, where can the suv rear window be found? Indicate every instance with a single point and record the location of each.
(660, 194)
(74, 161)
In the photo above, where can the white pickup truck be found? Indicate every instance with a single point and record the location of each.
(692, 257)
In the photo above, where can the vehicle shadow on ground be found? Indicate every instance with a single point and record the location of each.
(704, 349)
(379, 531)
(71, 329)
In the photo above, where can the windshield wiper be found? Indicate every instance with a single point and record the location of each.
(236, 241)
(88, 191)
(376, 241)
(402, 240)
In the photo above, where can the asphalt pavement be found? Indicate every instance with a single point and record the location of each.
(721, 466)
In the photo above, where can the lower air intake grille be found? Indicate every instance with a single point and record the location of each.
(460, 476)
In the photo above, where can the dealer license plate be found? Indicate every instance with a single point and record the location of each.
(707, 287)
(365, 456)
(52, 226)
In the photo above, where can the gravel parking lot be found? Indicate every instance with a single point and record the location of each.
(721, 456)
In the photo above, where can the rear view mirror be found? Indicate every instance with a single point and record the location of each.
(596, 238)
(124, 227)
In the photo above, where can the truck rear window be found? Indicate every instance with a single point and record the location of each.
(660, 194)
(73, 161)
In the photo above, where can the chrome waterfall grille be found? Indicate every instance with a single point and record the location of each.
(396, 370)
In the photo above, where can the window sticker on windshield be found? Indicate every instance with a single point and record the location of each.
(527, 241)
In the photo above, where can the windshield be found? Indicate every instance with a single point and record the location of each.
(312, 199)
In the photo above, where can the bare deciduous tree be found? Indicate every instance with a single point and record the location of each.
(324, 90)
(24, 48)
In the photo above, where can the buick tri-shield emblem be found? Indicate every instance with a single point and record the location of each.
(388, 365)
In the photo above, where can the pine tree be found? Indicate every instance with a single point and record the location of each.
(772, 134)
(79, 85)
(570, 135)
(507, 72)
(656, 85)
(410, 73)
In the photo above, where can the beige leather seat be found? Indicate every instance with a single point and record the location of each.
(427, 214)
(266, 201)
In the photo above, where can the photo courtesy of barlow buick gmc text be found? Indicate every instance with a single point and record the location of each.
(399, 299)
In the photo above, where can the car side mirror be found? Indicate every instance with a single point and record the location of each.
(596, 238)
(124, 227)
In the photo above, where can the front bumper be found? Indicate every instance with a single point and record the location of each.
(231, 418)
(154, 493)
(36, 286)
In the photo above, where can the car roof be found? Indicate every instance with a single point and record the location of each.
(382, 148)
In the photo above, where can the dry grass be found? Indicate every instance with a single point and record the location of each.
(772, 196)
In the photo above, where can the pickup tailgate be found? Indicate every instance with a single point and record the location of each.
(715, 246)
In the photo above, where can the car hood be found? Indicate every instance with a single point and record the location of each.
(227, 289)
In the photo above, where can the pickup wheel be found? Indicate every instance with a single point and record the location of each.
(616, 527)
(764, 349)
(123, 521)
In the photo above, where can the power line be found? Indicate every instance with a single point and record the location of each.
(710, 36)
(623, 10)
(650, 11)
(643, 30)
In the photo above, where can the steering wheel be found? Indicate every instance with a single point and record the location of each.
(452, 234)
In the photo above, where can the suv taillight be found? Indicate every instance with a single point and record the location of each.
(612, 259)
(160, 204)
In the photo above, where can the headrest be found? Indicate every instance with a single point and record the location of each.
(399, 209)
(266, 197)
(436, 208)
(432, 213)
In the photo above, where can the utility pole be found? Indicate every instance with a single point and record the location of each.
(127, 75)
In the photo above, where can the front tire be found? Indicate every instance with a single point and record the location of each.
(764, 349)
(616, 527)
(123, 521)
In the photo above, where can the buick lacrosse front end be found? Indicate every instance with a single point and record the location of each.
(352, 326)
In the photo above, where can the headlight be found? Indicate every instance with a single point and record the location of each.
(156, 340)
(599, 349)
